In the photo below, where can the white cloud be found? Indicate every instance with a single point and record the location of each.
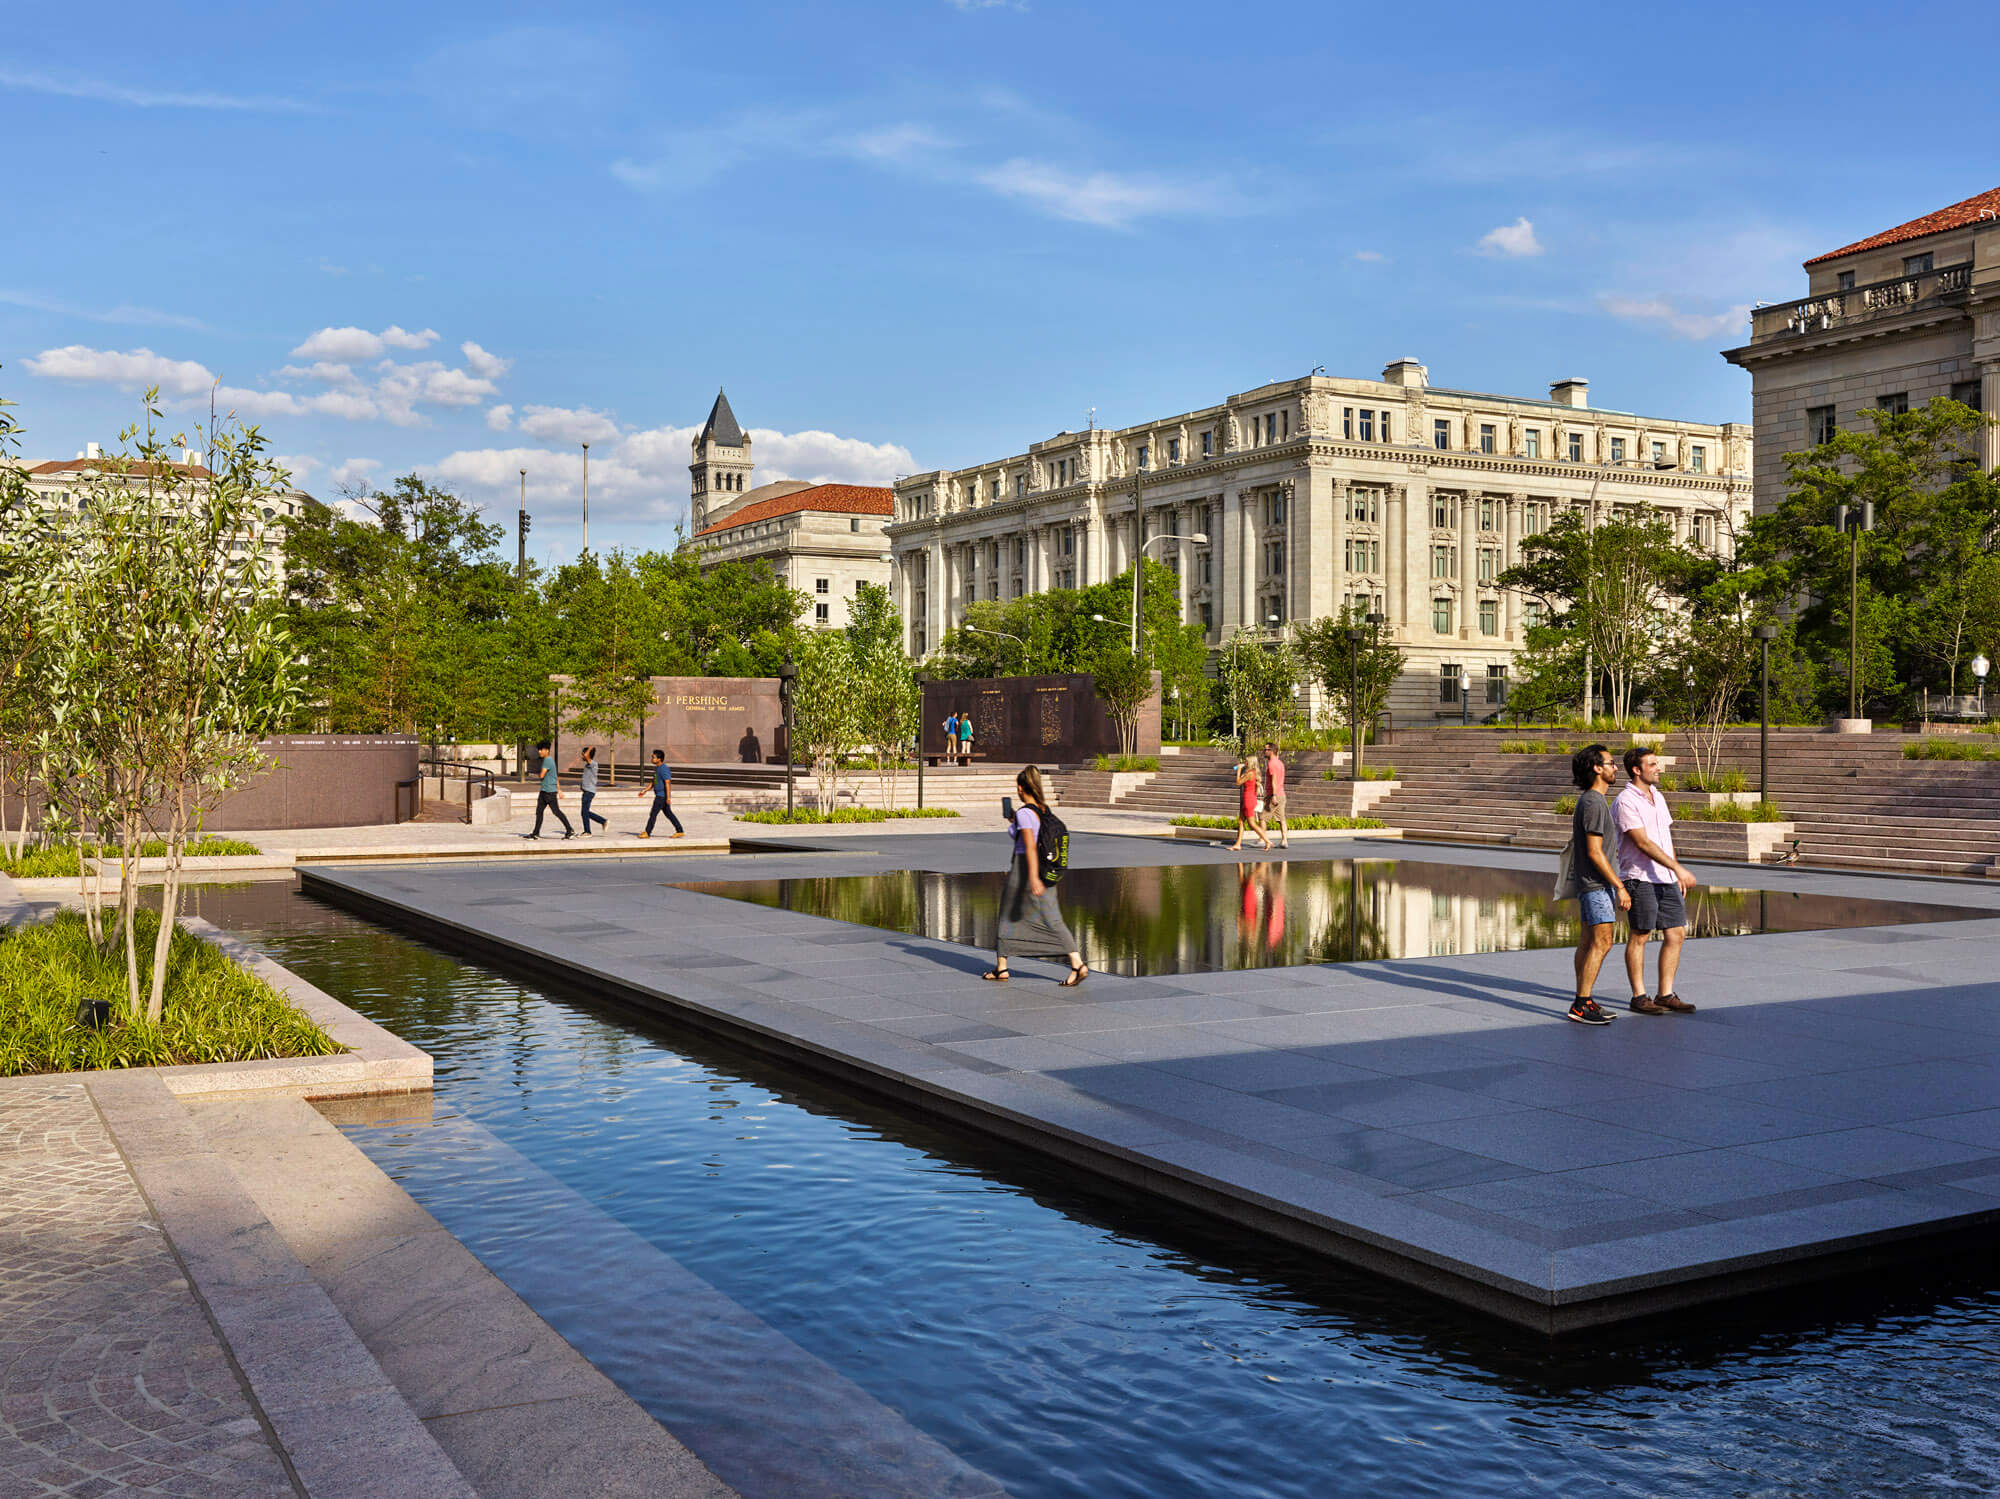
(499, 418)
(1695, 327)
(824, 458)
(486, 366)
(351, 344)
(896, 143)
(105, 92)
(137, 316)
(352, 473)
(132, 371)
(1107, 199)
(1515, 241)
(1371, 256)
(298, 465)
(560, 424)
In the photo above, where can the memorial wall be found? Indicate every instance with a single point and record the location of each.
(1054, 720)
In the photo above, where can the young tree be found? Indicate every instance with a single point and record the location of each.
(889, 703)
(1123, 683)
(826, 710)
(1259, 678)
(1339, 667)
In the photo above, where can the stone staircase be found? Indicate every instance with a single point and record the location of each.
(729, 789)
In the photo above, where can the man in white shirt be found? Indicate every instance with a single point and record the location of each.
(1654, 879)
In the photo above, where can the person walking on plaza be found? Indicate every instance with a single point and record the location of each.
(950, 737)
(1655, 880)
(663, 796)
(1245, 772)
(1274, 795)
(1600, 893)
(588, 765)
(965, 739)
(546, 801)
(1031, 923)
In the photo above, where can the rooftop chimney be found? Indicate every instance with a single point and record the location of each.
(91, 450)
(189, 457)
(1407, 373)
(1570, 393)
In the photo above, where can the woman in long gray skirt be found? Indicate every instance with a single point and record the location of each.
(1031, 924)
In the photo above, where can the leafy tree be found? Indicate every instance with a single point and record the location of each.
(605, 624)
(1123, 683)
(1259, 678)
(827, 704)
(889, 698)
(1338, 665)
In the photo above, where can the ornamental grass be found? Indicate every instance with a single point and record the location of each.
(845, 814)
(63, 863)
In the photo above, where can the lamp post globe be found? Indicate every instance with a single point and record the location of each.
(1464, 697)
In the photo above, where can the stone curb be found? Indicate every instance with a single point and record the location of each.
(344, 1429)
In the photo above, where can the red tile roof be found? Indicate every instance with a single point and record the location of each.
(113, 466)
(841, 499)
(1955, 217)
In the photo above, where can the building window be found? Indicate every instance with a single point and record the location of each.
(1489, 564)
(1208, 444)
(1576, 447)
(993, 489)
(1441, 434)
(1173, 450)
(819, 585)
(1617, 450)
(1444, 561)
(1020, 485)
(1448, 671)
(1820, 425)
(1486, 509)
(1917, 265)
(1270, 427)
(1367, 426)
(1966, 393)
(820, 614)
(1846, 281)
(1496, 684)
(1145, 453)
(1531, 613)
(1534, 518)
(1486, 437)
(1274, 559)
(1208, 616)
(1347, 422)
(1897, 404)
(1489, 618)
(1698, 459)
(1367, 505)
(1277, 508)
(1444, 512)
(1659, 453)
(1383, 426)
(1531, 443)
(1364, 556)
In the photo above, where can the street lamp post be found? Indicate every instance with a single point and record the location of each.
(1765, 634)
(1003, 635)
(586, 497)
(1854, 520)
(1464, 698)
(1354, 639)
(788, 676)
(1980, 666)
(521, 536)
(923, 680)
(1194, 538)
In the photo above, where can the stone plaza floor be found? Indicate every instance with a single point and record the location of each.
(1836, 1099)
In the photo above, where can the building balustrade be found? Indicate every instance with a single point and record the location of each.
(1877, 299)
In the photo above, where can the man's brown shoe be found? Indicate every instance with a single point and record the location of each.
(1644, 1004)
(1673, 1004)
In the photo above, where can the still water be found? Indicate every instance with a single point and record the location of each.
(1079, 1343)
(1190, 918)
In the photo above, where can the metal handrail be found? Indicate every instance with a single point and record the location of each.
(473, 775)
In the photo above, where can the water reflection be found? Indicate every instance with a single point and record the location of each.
(1192, 918)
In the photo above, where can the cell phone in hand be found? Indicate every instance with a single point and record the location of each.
(1007, 807)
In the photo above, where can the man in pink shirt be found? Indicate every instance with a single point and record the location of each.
(1654, 879)
(1274, 794)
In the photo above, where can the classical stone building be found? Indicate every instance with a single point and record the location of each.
(1888, 322)
(823, 539)
(1394, 494)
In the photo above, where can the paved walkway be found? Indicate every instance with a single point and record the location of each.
(1435, 1118)
(112, 1380)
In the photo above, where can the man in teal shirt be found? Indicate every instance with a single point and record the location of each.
(546, 802)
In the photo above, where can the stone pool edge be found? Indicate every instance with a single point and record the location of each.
(1552, 1291)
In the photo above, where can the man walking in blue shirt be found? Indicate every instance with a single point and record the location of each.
(663, 791)
(546, 801)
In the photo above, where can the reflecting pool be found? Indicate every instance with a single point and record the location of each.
(1080, 1342)
(1192, 918)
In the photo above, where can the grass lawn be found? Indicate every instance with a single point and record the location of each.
(215, 1012)
(60, 863)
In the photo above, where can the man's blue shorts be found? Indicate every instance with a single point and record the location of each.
(1599, 909)
(1656, 907)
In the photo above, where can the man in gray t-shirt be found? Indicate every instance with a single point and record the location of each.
(1600, 893)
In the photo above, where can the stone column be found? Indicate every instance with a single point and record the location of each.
(1187, 554)
(1396, 549)
(1342, 500)
(1468, 566)
(1246, 556)
(1516, 512)
(935, 583)
(1989, 403)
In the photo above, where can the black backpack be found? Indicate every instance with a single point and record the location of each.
(1051, 848)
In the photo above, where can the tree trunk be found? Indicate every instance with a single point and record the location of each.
(170, 899)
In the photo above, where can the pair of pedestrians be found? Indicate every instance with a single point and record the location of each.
(1262, 792)
(546, 802)
(958, 739)
(1622, 857)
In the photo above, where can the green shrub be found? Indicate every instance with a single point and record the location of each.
(845, 814)
(1125, 764)
(1729, 778)
(1310, 822)
(1949, 749)
(1565, 805)
(215, 1012)
(60, 863)
(1368, 773)
(1734, 812)
(1524, 747)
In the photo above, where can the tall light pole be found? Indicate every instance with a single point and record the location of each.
(586, 497)
(788, 677)
(1765, 634)
(1193, 538)
(1003, 635)
(521, 542)
(1354, 639)
(1464, 698)
(923, 681)
(1854, 519)
(1980, 666)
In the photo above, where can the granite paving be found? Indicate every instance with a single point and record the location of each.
(1435, 1119)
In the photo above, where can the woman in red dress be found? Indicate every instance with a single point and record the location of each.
(1246, 810)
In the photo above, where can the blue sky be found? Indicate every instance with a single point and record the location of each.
(464, 239)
